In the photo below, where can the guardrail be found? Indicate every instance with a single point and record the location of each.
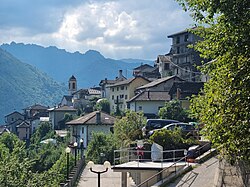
(132, 154)
(160, 174)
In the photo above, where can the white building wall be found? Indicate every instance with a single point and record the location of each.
(151, 107)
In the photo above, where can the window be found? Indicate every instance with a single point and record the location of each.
(178, 50)
(113, 89)
(140, 107)
(128, 106)
(126, 96)
(166, 66)
(186, 38)
(117, 88)
(74, 85)
(177, 39)
(126, 87)
(121, 96)
(122, 88)
(113, 97)
(177, 71)
(82, 130)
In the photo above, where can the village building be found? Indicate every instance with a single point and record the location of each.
(123, 91)
(83, 127)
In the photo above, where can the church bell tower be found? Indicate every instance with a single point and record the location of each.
(72, 85)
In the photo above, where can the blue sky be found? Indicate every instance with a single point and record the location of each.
(116, 28)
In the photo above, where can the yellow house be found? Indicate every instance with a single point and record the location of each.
(123, 91)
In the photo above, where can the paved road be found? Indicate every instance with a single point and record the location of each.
(108, 179)
(202, 176)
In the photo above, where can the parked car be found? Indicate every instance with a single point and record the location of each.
(186, 128)
(156, 124)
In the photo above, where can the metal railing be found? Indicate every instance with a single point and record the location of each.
(132, 154)
(159, 174)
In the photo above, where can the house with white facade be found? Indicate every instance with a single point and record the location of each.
(83, 127)
(123, 91)
(149, 102)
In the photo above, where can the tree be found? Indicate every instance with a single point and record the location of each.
(101, 144)
(128, 128)
(43, 129)
(174, 110)
(103, 105)
(224, 105)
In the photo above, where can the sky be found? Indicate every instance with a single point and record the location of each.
(117, 28)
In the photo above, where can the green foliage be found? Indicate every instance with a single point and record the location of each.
(39, 165)
(128, 128)
(101, 143)
(224, 105)
(21, 88)
(43, 129)
(174, 110)
(103, 105)
(171, 139)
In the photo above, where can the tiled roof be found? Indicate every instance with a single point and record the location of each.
(181, 32)
(144, 66)
(164, 58)
(151, 96)
(158, 81)
(3, 129)
(187, 87)
(62, 108)
(72, 78)
(128, 81)
(24, 124)
(37, 107)
(14, 113)
(90, 119)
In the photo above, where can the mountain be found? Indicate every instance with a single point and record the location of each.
(89, 68)
(22, 85)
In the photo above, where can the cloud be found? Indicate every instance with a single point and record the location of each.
(118, 29)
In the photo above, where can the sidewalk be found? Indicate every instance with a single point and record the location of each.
(108, 179)
(203, 175)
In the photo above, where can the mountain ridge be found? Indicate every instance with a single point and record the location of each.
(61, 64)
(23, 85)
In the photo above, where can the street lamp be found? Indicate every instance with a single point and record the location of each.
(106, 166)
(81, 146)
(67, 150)
(75, 146)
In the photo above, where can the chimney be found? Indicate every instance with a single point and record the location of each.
(120, 74)
(98, 117)
(178, 93)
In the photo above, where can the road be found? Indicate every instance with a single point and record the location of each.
(203, 175)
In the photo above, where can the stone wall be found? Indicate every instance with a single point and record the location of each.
(232, 175)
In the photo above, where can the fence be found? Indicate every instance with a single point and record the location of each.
(132, 154)
(159, 176)
(74, 173)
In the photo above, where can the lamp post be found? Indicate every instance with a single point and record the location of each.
(81, 146)
(75, 146)
(67, 150)
(106, 166)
